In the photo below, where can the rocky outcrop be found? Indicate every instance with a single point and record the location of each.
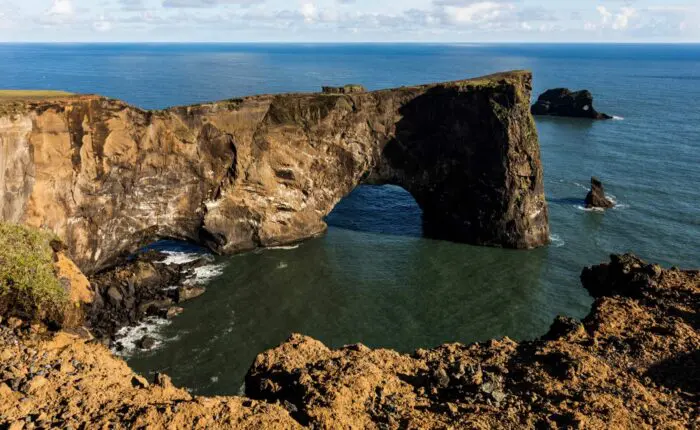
(564, 102)
(632, 363)
(265, 170)
(619, 368)
(144, 286)
(596, 197)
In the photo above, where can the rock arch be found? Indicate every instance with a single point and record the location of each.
(266, 170)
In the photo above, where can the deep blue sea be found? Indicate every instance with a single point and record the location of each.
(373, 278)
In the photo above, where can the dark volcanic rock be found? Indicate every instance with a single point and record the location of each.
(596, 197)
(146, 342)
(563, 102)
(139, 288)
(266, 170)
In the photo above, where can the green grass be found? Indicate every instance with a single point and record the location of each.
(29, 287)
(31, 94)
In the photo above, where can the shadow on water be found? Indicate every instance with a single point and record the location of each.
(567, 201)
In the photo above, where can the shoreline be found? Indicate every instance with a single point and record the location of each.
(619, 367)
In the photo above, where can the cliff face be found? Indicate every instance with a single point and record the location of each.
(266, 170)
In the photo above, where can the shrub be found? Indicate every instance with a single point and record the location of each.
(29, 287)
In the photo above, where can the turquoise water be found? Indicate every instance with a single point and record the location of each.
(373, 278)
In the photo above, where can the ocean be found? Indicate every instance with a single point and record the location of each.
(373, 278)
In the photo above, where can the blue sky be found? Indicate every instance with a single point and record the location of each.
(351, 20)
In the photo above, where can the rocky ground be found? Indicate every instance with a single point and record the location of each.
(142, 287)
(632, 363)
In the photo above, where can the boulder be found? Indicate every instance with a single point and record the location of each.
(146, 342)
(564, 102)
(596, 197)
(189, 292)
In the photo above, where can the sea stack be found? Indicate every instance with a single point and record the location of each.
(596, 197)
(564, 102)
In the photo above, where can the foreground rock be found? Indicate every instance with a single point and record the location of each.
(564, 102)
(265, 170)
(63, 382)
(632, 363)
(596, 197)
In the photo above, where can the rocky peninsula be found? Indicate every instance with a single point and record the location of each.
(263, 171)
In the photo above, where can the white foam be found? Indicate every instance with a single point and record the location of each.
(583, 208)
(557, 241)
(179, 257)
(205, 274)
(282, 265)
(128, 337)
(618, 118)
(284, 248)
(214, 379)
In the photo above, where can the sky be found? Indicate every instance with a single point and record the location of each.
(466, 21)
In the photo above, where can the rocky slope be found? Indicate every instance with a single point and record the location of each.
(266, 170)
(632, 363)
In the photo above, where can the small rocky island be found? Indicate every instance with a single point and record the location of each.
(564, 102)
(596, 197)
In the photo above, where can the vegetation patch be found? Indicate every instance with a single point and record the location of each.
(29, 287)
(31, 94)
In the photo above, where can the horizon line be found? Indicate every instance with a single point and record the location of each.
(195, 42)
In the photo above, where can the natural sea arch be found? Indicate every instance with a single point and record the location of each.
(265, 171)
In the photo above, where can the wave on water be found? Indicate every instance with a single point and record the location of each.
(282, 265)
(618, 118)
(557, 241)
(128, 337)
(180, 257)
(284, 248)
(205, 274)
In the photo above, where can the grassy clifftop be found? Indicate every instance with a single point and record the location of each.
(29, 285)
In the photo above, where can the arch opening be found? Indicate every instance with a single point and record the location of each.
(380, 209)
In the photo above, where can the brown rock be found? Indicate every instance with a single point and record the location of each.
(189, 292)
(596, 197)
(265, 170)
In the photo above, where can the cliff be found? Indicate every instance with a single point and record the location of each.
(263, 171)
(632, 363)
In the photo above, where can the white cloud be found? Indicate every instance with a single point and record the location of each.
(102, 25)
(61, 8)
(476, 12)
(309, 12)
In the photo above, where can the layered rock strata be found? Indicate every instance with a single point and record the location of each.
(265, 170)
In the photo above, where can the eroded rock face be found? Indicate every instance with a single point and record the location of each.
(564, 102)
(265, 171)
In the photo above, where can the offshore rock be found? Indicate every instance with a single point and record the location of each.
(564, 102)
(264, 171)
(596, 197)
